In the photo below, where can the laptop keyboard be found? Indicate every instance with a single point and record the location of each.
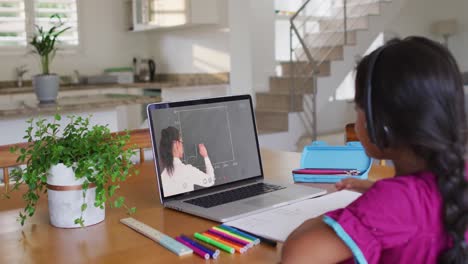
(234, 195)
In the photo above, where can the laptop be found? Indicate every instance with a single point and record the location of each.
(208, 161)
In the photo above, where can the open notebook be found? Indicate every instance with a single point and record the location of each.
(278, 223)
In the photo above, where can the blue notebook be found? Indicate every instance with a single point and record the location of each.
(320, 155)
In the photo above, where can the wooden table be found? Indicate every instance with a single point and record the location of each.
(112, 242)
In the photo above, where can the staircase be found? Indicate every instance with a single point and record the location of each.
(325, 41)
(273, 107)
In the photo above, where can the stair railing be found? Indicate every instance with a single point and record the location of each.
(304, 79)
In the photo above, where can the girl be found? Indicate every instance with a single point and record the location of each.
(176, 176)
(410, 109)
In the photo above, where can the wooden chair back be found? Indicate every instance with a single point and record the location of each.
(139, 139)
(350, 133)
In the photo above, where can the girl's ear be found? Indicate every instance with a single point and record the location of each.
(393, 153)
(377, 153)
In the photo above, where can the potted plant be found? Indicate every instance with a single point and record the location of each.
(46, 85)
(78, 166)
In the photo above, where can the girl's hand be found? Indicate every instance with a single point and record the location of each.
(202, 150)
(354, 184)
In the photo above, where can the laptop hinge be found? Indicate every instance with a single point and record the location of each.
(211, 190)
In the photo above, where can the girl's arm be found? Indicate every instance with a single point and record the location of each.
(354, 184)
(314, 242)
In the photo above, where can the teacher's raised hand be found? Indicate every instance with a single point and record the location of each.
(202, 150)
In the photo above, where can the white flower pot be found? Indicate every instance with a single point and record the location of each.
(46, 87)
(65, 196)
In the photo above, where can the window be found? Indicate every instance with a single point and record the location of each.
(12, 23)
(18, 17)
(67, 10)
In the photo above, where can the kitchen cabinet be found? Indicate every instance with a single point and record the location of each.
(88, 92)
(135, 91)
(23, 97)
(194, 92)
(118, 111)
(5, 99)
(116, 90)
(166, 14)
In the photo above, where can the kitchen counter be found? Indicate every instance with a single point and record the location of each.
(71, 104)
(167, 81)
(29, 89)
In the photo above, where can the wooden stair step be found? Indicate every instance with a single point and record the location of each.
(339, 3)
(360, 10)
(272, 120)
(330, 53)
(304, 68)
(278, 102)
(283, 85)
(337, 25)
(324, 39)
(266, 131)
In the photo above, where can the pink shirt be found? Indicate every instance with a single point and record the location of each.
(398, 220)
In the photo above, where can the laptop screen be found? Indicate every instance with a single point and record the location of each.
(203, 143)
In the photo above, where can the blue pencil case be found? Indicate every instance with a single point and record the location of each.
(319, 155)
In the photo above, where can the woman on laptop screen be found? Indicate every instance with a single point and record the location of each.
(176, 176)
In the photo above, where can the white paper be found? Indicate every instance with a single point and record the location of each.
(278, 223)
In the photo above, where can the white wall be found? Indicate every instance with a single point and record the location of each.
(240, 47)
(262, 26)
(252, 45)
(197, 49)
(105, 42)
(242, 44)
(417, 16)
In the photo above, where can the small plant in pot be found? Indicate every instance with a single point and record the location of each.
(46, 85)
(79, 166)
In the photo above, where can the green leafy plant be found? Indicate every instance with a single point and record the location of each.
(94, 154)
(44, 41)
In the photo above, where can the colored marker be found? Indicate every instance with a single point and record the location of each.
(238, 248)
(230, 238)
(263, 240)
(196, 250)
(214, 253)
(214, 243)
(233, 234)
(254, 239)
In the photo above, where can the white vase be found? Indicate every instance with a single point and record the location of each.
(65, 196)
(46, 87)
